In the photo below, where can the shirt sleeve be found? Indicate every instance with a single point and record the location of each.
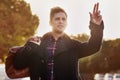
(21, 59)
(94, 43)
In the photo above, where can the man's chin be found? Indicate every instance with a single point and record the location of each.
(60, 31)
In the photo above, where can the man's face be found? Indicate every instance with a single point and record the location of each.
(59, 22)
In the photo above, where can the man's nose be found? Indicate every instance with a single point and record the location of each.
(60, 21)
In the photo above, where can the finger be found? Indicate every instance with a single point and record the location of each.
(32, 39)
(97, 6)
(100, 19)
(38, 37)
(98, 13)
(90, 14)
(94, 8)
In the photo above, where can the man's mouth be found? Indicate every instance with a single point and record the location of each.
(60, 26)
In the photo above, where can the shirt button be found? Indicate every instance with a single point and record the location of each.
(52, 61)
(42, 61)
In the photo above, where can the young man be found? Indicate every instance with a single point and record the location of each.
(56, 58)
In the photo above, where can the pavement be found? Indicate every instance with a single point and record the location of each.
(3, 75)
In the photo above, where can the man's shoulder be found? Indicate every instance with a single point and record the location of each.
(46, 35)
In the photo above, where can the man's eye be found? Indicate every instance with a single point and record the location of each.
(57, 18)
(64, 19)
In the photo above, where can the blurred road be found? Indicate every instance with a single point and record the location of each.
(3, 75)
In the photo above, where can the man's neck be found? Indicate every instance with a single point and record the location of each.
(57, 35)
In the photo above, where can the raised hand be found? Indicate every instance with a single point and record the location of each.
(35, 40)
(95, 17)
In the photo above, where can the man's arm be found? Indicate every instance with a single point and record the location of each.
(94, 43)
(96, 27)
(21, 58)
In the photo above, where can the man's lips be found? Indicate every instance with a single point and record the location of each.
(60, 26)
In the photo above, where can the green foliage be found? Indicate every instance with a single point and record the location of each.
(80, 37)
(17, 24)
(106, 60)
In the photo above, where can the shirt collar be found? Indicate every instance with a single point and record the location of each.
(60, 38)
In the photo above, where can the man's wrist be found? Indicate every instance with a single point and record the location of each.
(94, 26)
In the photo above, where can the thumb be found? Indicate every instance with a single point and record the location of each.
(90, 14)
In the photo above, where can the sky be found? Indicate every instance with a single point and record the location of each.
(78, 15)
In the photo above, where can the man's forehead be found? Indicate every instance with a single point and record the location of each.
(59, 14)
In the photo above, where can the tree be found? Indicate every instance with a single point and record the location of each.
(80, 37)
(17, 24)
(106, 60)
